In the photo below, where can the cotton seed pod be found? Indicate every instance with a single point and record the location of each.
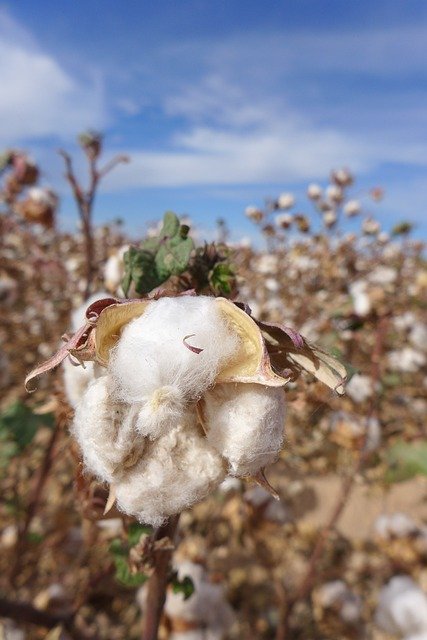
(105, 432)
(39, 206)
(176, 471)
(285, 201)
(314, 191)
(254, 213)
(245, 424)
(342, 177)
(166, 375)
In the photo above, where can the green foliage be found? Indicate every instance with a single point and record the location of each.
(221, 278)
(158, 258)
(402, 228)
(184, 586)
(406, 460)
(19, 425)
(120, 552)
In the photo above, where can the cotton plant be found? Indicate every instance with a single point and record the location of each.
(402, 608)
(190, 389)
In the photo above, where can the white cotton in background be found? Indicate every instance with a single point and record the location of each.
(114, 269)
(406, 360)
(359, 388)
(337, 594)
(417, 636)
(77, 378)
(402, 607)
(361, 302)
(152, 365)
(382, 275)
(397, 525)
(177, 470)
(105, 431)
(418, 336)
(207, 606)
(245, 424)
(272, 510)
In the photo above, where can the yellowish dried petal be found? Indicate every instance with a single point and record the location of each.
(251, 362)
(110, 324)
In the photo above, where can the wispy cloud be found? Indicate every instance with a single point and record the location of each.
(39, 97)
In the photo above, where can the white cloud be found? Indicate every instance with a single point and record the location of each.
(39, 97)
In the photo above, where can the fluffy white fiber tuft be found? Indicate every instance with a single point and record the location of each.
(245, 424)
(402, 608)
(105, 431)
(176, 471)
(152, 365)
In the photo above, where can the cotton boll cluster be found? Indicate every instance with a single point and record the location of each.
(166, 374)
(245, 424)
(402, 608)
(177, 470)
(77, 378)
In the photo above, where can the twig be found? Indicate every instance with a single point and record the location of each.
(27, 614)
(85, 200)
(158, 582)
(287, 604)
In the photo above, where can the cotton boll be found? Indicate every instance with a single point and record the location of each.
(105, 431)
(114, 270)
(206, 606)
(361, 302)
(152, 364)
(397, 525)
(177, 470)
(402, 607)
(245, 424)
(359, 388)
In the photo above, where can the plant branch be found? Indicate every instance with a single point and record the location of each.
(158, 581)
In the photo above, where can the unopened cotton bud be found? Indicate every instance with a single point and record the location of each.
(352, 208)
(285, 201)
(314, 191)
(284, 220)
(254, 213)
(154, 364)
(245, 424)
(176, 471)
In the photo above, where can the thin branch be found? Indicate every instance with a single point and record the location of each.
(112, 164)
(158, 582)
(27, 614)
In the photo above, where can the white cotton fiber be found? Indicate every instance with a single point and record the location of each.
(402, 607)
(105, 431)
(77, 378)
(152, 365)
(207, 606)
(245, 424)
(176, 471)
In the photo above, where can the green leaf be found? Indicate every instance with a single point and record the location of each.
(135, 531)
(173, 257)
(221, 278)
(406, 460)
(184, 586)
(20, 424)
(123, 573)
(171, 225)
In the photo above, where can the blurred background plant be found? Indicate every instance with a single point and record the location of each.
(322, 563)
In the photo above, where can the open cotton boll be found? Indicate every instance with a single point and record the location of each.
(105, 431)
(152, 365)
(176, 471)
(402, 607)
(245, 424)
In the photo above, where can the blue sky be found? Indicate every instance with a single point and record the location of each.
(220, 104)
